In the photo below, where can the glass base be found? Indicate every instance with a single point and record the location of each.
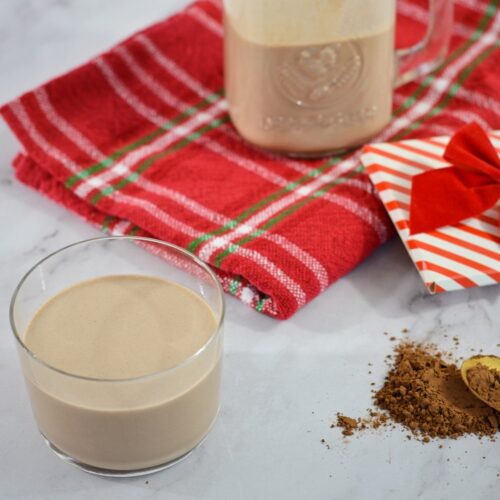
(304, 155)
(98, 471)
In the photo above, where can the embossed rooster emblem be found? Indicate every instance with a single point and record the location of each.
(312, 77)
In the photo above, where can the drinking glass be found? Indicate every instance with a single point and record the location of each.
(127, 426)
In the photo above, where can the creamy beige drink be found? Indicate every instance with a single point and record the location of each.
(306, 78)
(152, 401)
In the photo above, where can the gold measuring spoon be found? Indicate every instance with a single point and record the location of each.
(492, 362)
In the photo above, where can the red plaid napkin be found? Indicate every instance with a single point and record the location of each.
(138, 141)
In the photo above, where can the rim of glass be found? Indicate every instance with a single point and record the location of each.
(171, 246)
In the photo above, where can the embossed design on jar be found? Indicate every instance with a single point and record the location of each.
(318, 76)
(318, 120)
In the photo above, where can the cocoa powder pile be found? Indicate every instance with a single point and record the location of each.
(486, 383)
(428, 395)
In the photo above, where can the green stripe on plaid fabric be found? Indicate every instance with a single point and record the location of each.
(169, 125)
(446, 99)
(109, 219)
(133, 230)
(106, 222)
(148, 162)
(261, 304)
(285, 213)
(234, 285)
(483, 24)
(264, 201)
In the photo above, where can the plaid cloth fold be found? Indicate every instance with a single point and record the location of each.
(138, 141)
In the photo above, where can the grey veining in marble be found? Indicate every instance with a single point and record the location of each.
(284, 381)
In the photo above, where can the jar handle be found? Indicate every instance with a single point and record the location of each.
(429, 53)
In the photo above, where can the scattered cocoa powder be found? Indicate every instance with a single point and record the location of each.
(486, 383)
(428, 395)
(348, 424)
(376, 419)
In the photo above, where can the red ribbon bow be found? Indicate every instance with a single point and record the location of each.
(448, 195)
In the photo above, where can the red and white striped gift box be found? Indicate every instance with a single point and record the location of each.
(464, 255)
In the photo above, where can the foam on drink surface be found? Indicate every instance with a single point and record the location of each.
(301, 22)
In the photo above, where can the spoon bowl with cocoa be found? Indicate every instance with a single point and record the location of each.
(481, 374)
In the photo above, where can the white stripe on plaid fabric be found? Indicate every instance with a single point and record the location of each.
(171, 67)
(314, 266)
(437, 129)
(20, 113)
(298, 166)
(473, 97)
(166, 96)
(50, 150)
(468, 117)
(496, 143)
(121, 228)
(246, 293)
(464, 116)
(274, 208)
(207, 21)
(112, 79)
(43, 101)
(474, 5)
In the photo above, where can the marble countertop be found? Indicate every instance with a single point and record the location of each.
(283, 381)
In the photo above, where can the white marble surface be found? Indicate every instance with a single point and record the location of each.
(284, 381)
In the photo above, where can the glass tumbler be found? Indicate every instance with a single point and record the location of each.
(125, 426)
